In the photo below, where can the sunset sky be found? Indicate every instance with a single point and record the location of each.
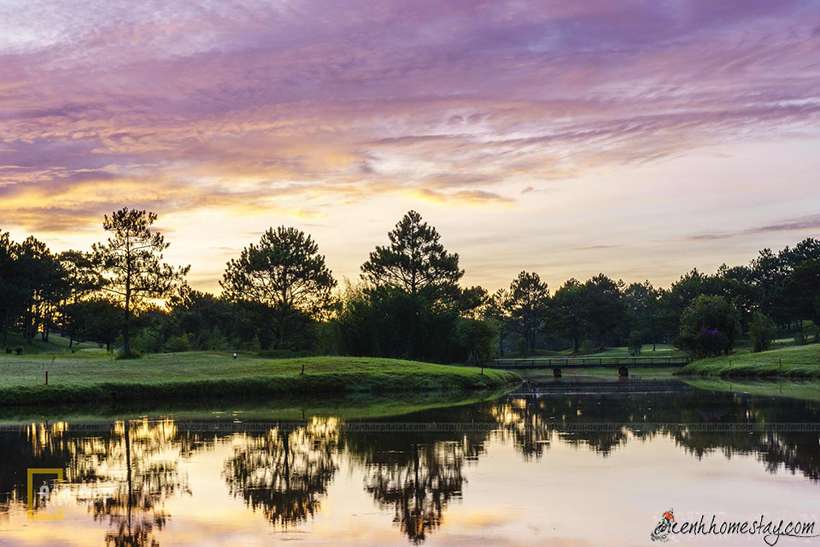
(636, 138)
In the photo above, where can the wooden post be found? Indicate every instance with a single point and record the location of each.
(46, 377)
(303, 369)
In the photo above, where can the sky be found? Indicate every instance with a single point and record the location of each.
(635, 138)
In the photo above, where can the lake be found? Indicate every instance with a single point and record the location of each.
(569, 464)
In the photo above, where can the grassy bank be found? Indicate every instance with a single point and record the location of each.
(597, 374)
(789, 362)
(808, 390)
(353, 406)
(91, 377)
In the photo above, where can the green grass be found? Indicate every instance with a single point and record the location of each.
(55, 344)
(91, 377)
(803, 390)
(788, 362)
(661, 350)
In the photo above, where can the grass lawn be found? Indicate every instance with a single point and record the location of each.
(803, 390)
(55, 344)
(661, 350)
(88, 376)
(788, 362)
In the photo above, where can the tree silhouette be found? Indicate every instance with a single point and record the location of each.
(284, 272)
(130, 263)
(527, 302)
(415, 261)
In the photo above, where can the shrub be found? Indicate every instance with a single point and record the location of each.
(762, 331)
(587, 347)
(475, 341)
(147, 340)
(635, 343)
(177, 344)
(709, 326)
(213, 340)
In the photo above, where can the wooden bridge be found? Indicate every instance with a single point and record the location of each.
(623, 364)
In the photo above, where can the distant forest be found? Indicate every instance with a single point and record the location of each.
(279, 298)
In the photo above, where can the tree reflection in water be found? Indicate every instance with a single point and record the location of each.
(415, 475)
(285, 473)
(132, 468)
(134, 509)
(574, 419)
(129, 472)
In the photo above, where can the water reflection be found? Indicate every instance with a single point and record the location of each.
(285, 473)
(130, 469)
(126, 472)
(415, 476)
(133, 509)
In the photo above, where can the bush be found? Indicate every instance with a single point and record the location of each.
(475, 341)
(177, 344)
(635, 343)
(147, 340)
(709, 326)
(587, 347)
(762, 331)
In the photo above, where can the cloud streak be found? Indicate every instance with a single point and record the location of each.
(810, 223)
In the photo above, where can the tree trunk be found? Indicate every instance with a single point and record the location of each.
(126, 341)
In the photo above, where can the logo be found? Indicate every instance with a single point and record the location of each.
(769, 530)
(664, 526)
(44, 476)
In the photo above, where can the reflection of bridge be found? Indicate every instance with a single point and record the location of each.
(623, 364)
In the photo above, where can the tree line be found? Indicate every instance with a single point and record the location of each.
(279, 297)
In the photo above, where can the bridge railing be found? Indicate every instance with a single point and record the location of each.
(571, 362)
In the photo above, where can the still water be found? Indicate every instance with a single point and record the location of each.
(590, 467)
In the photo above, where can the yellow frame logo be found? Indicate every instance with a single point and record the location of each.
(31, 472)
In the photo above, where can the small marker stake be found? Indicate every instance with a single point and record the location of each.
(46, 377)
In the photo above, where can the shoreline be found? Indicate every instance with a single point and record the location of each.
(198, 376)
(789, 363)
